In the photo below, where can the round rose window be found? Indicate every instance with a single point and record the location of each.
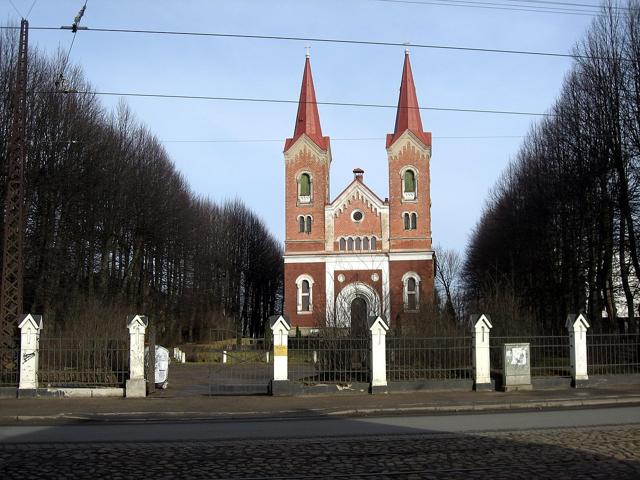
(357, 216)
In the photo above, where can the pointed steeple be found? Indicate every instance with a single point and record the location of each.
(308, 119)
(408, 114)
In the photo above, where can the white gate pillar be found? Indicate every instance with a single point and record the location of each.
(30, 327)
(481, 326)
(136, 385)
(577, 326)
(378, 328)
(280, 328)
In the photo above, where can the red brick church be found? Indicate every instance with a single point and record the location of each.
(357, 255)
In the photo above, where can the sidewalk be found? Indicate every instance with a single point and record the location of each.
(164, 407)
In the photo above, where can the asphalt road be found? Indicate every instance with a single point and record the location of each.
(589, 443)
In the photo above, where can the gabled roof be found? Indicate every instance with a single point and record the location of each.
(408, 113)
(353, 189)
(308, 118)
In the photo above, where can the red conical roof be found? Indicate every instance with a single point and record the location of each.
(408, 114)
(307, 119)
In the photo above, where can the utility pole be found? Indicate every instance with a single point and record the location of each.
(12, 261)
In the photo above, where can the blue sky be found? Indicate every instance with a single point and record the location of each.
(463, 170)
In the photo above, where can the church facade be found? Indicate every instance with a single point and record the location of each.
(357, 255)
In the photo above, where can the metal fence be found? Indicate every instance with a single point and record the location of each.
(437, 358)
(9, 366)
(550, 355)
(83, 362)
(239, 369)
(337, 359)
(613, 353)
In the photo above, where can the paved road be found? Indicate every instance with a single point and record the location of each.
(602, 443)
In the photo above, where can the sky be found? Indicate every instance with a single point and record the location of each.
(213, 143)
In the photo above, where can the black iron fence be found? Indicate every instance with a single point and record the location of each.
(336, 359)
(83, 362)
(9, 366)
(550, 354)
(613, 353)
(436, 358)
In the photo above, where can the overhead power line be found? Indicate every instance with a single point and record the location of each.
(284, 101)
(320, 40)
(354, 139)
(590, 10)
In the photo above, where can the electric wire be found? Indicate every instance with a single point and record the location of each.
(31, 8)
(285, 101)
(498, 6)
(340, 41)
(16, 9)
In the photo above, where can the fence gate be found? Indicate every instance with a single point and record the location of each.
(241, 369)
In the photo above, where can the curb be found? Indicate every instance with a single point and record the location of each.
(296, 414)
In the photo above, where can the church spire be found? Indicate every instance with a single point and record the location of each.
(408, 113)
(308, 119)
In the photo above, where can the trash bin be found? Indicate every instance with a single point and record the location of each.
(162, 366)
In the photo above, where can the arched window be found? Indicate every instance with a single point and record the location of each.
(304, 285)
(407, 221)
(409, 187)
(358, 243)
(365, 243)
(350, 244)
(414, 221)
(343, 244)
(305, 296)
(301, 222)
(373, 243)
(307, 226)
(411, 291)
(304, 188)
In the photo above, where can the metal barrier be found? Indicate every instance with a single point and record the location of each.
(336, 359)
(83, 362)
(550, 355)
(613, 353)
(246, 370)
(9, 366)
(437, 358)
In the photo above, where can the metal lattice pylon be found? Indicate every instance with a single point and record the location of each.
(11, 292)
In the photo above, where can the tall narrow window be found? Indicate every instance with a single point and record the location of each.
(411, 291)
(301, 222)
(304, 292)
(305, 297)
(373, 243)
(350, 244)
(307, 226)
(407, 221)
(304, 192)
(343, 244)
(365, 243)
(358, 243)
(409, 185)
(412, 294)
(414, 221)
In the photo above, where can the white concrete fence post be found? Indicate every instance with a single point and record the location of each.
(577, 326)
(280, 328)
(378, 328)
(136, 386)
(481, 329)
(30, 327)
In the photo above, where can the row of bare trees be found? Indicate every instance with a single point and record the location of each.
(112, 228)
(559, 233)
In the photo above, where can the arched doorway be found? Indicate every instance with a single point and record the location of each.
(359, 317)
(367, 304)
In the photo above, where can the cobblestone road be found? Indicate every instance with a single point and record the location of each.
(593, 452)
